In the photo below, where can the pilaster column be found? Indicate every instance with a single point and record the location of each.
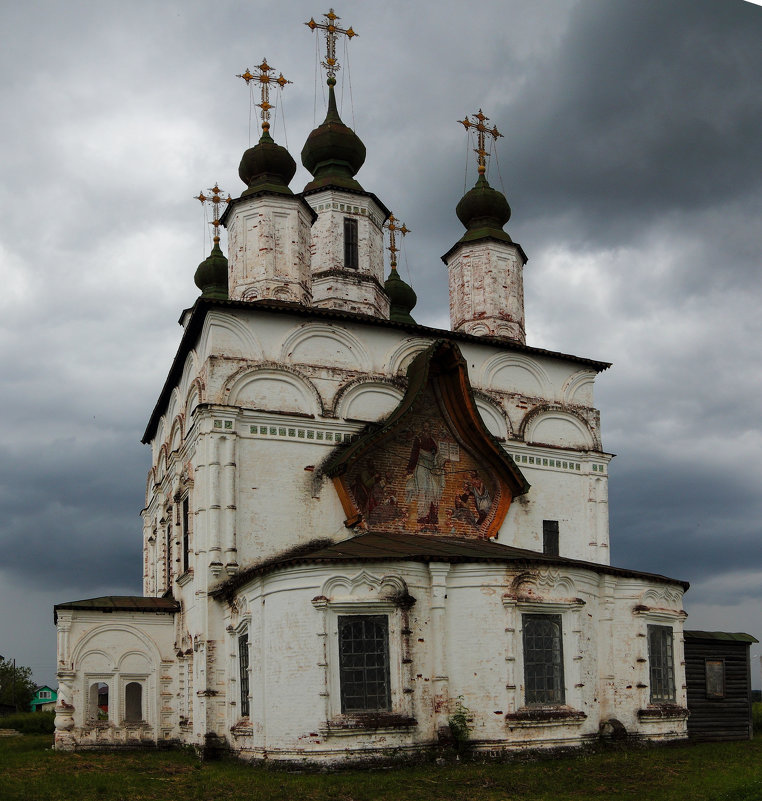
(438, 636)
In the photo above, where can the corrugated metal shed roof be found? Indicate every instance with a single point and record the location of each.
(375, 547)
(120, 603)
(719, 635)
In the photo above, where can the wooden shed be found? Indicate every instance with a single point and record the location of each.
(718, 678)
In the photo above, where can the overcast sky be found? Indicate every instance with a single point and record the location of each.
(632, 159)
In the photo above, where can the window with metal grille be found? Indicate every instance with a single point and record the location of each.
(543, 659)
(243, 672)
(351, 255)
(550, 537)
(661, 662)
(364, 663)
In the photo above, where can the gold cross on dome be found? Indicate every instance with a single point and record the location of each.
(331, 30)
(393, 228)
(215, 200)
(482, 130)
(262, 75)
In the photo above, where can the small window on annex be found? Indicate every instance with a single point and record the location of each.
(715, 678)
(364, 663)
(133, 702)
(543, 660)
(243, 673)
(98, 701)
(662, 664)
(351, 250)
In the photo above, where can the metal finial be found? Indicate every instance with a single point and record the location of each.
(477, 122)
(331, 30)
(262, 74)
(215, 200)
(391, 225)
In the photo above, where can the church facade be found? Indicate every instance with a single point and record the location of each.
(359, 530)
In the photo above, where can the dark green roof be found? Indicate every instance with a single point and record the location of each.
(120, 603)
(719, 635)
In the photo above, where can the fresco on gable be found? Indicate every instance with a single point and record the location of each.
(421, 479)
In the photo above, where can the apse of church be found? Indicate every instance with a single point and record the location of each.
(354, 522)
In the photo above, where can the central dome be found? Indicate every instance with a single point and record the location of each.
(333, 153)
(267, 167)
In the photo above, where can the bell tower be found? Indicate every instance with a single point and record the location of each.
(485, 265)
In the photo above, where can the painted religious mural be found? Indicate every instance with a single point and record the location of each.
(422, 479)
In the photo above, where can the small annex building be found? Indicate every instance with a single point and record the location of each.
(355, 525)
(718, 679)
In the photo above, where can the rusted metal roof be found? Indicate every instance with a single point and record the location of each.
(203, 305)
(120, 603)
(719, 635)
(375, 547)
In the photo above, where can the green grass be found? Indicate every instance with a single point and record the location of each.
(31, 771)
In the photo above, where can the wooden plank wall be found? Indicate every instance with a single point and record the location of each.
(727, 718)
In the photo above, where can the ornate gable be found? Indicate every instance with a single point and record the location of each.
(432, 466)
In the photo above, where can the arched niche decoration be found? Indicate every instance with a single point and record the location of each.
(551, 424)
(194, 397)
(398, 359)
(177, 434)
(578, 388)
(275, 387)
(128, 637)
(318, 343)
(174, 407)
(190, 369)
(514, 372)
(492, 415)
(366, 400)
(228, 334)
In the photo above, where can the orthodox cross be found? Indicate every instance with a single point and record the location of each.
(265, 79)
(392, 227)
(215, 200)
(482, 130)
(331, 30)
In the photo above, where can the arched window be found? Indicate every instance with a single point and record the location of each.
(133, 702)
(98, 701)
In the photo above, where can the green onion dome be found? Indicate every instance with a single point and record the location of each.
(267, 167)
(483, 211)
(402, 298)
(212, 274)
(333, 153)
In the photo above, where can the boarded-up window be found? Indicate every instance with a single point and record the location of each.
(715, 678)
(550, 537)
(662, 664)
(364, 663)
(543, 659)
(243, 672)
(351, 251)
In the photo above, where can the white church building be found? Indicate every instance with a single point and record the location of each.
(357, 527)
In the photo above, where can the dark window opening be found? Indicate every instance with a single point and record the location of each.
(364, 663)
(186, 537)
(543, 659)
(715, 678)
(133, 702)
(550, 537)
(661, 662)
(351, 252)
(243, 672)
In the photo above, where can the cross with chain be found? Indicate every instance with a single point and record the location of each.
(264, 78)
(331, 30)
(392, 227)
(215, 200)
(481, 130)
